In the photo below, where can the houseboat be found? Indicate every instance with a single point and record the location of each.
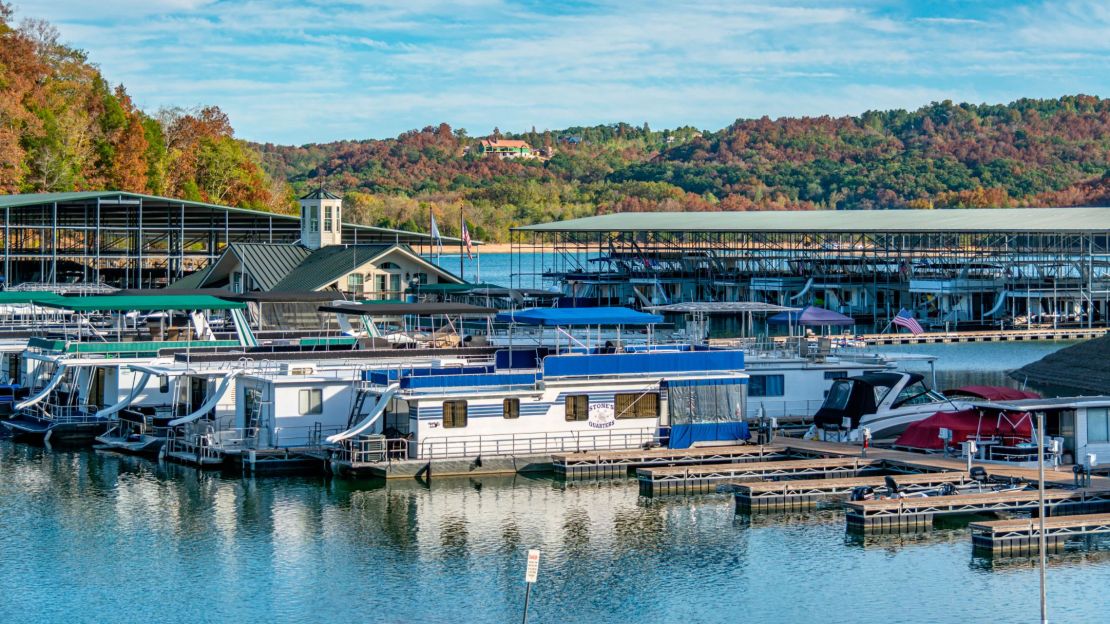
(76, 386)
(531, 403)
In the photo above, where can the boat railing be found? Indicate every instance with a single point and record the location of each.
(801, 409)
(69, 413)
(377, 448)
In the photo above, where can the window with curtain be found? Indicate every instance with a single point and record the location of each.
(510, 408)
(454, 414)
(578, 407)
(1098, 425)
(637, 405)
(766, 386)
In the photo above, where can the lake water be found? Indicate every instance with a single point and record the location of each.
(94, 537)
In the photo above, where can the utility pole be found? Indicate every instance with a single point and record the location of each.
(1040, 512)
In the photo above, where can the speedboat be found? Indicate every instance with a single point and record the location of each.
(884, 403)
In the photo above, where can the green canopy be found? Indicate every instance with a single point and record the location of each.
(142, 303)
(28, 296)
(452, 288)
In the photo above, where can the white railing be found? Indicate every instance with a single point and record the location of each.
(78, 413)
(800, 409)
(375, 449)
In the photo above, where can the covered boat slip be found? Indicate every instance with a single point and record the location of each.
(143, 324)
(961, 268)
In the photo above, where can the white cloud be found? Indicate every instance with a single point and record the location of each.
(303, 71)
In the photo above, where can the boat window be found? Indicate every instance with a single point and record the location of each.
(839, 394)
(312, 401)
(880, 393)
(578, 407)
(1098, 424)
(510, 408)
(454, 414)
(637, 405)
(916, 394)
(766, 386)
(163, 384)
(836, 374)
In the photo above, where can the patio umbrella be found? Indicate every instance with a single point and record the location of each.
(811, 315)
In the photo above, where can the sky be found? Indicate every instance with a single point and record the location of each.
(312, 71)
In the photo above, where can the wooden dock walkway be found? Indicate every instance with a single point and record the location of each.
(1009, 335)
(706, 478)
(912, 515)
(1021, 537)
(797, 495)
(608, 464)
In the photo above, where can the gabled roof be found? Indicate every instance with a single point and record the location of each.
(512, 143)
(327, 264)
(320, 193)
(269, 264)
(193, 280)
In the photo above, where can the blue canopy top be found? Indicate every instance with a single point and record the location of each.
(550, 317)
(811, 315)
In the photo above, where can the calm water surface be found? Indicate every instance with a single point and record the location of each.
(94, 537)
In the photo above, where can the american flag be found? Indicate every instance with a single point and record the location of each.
(466, 241)
(905, 319)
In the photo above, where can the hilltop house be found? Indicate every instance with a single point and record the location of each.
(319, 261)
(505, 148)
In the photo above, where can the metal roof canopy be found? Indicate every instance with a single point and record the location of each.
(942, 220)
(722, 307)
(1037, 405)
(143, 303)
(407, 309)
(128, 198)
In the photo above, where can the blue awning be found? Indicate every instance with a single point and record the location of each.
(551, 317)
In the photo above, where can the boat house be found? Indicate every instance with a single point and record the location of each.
(949, 268)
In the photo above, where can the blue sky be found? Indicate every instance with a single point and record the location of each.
(303, 71)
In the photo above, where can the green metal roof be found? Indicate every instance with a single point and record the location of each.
(327, 264)
(143, 303)
(34, 199)
(1046, 220)
(192, 280)
(269, 264)
(21, 296)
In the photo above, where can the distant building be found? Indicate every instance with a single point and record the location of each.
(506, 148)
(319, 261)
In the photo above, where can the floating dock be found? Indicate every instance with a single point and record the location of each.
(785, 496)
(700, 479)
(913, 515)
(1010, 335)
(1021, 537)
(609, 464)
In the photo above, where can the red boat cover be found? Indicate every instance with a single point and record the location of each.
(993, 393)
(924, 434)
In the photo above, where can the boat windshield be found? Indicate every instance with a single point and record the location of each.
(839, 394)
(917, 394)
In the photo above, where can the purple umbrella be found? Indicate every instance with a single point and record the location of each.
(811, 315)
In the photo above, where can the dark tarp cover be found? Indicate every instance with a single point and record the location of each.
(554, 317)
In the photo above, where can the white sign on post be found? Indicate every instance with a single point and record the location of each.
(533, 569)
